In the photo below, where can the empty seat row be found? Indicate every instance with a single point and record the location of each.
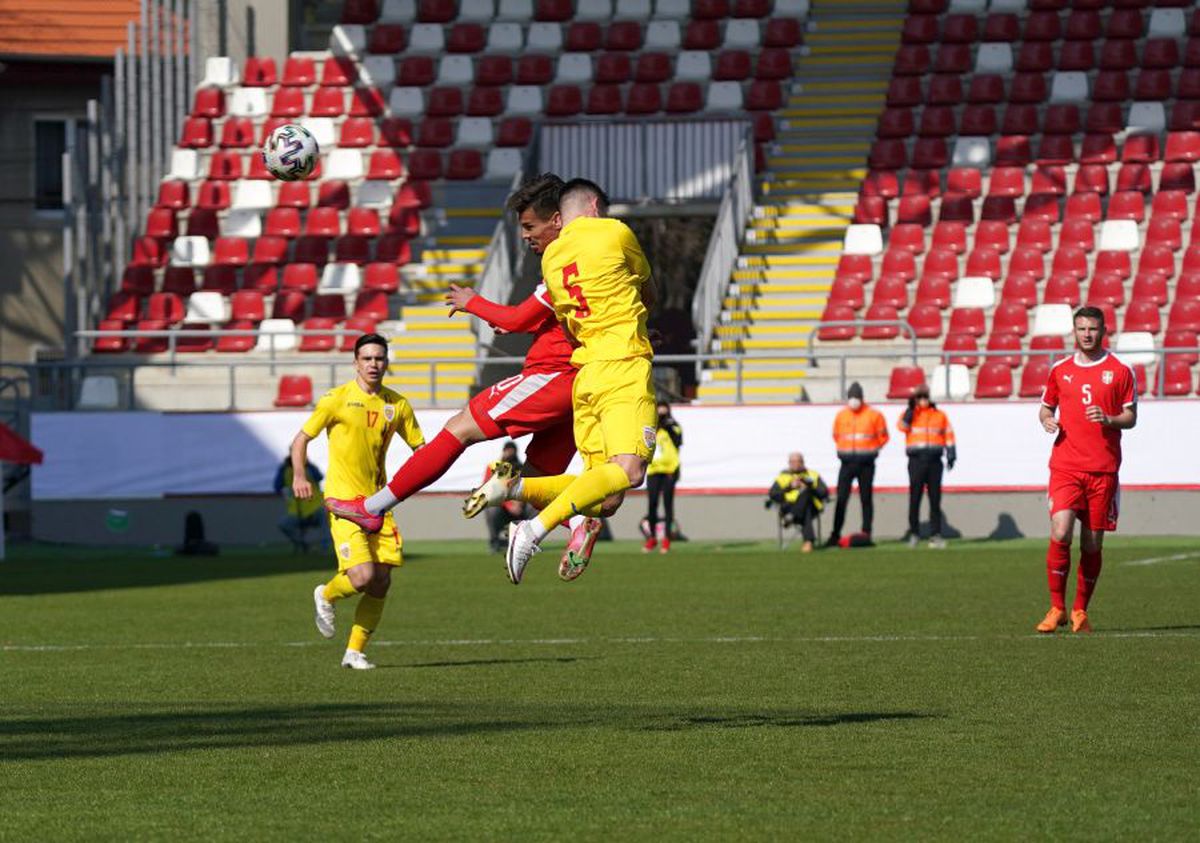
(440, 11)
(1043, 26)
(332, 193)
(919, 59)
(274, 334)
(1033, 88)
(1016, 180)
(140, 282)
(196, 251)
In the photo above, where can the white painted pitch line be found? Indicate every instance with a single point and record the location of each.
(1154, 560)
(559, 642)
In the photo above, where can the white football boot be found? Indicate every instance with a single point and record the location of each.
(324, 612)
(356, 661)
(521, 546)
(494, 490)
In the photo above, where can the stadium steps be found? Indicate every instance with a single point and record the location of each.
(793, 240)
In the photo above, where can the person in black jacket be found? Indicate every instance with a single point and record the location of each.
(800, 495)
(661, 477)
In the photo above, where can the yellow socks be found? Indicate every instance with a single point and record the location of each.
(366, 619)
(538, 492)
(339, 587)
(587, 490)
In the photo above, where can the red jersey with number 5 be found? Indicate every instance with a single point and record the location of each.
(1082, 444)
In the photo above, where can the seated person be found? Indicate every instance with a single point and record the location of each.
(301, 515)
(800, 495)
(499, 517)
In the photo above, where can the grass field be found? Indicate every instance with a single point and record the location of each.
(728, 692)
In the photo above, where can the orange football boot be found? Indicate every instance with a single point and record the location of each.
(1079, 621)
(1053, 620)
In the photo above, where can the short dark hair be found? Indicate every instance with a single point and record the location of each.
(585, 187)
(370, 339)
(1089, 312)
(539, 192)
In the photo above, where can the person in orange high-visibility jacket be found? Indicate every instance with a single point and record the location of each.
(860, 433)
(929, 436)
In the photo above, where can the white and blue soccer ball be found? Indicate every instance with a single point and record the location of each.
(290, 153)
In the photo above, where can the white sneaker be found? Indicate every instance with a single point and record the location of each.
(356, 661)
(521, 546)
(324, 613)
(913, 540)
(494, 490)
(937, 542)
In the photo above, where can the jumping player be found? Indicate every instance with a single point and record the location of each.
(360, 417)
(1095, 395)
(599, 281)
(537, 401)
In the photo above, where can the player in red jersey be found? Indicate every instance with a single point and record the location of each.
(1095, 395)
(537, 401)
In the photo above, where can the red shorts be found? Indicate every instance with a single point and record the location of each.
(537, 403)
(1093, 496)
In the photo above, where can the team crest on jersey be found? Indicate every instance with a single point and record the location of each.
(344, 550)
(389, 412)
(1106, 377)
(649, 436)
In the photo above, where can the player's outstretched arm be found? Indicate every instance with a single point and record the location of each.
(522, 318)
(301, 488)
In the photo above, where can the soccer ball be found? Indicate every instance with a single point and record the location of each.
(290, 152)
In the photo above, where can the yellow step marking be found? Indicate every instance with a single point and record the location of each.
(404, 369)
(758, 374)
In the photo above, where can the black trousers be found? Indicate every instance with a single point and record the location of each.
(661, 485)
(925, 472)
(862, 470)
(803, 512)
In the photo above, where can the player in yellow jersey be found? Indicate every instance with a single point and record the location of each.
(360, 418)
(599, 284)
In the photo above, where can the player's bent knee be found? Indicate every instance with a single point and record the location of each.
(464, 428)
(361, 575)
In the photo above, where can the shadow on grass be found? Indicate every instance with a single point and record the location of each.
(1181, 627)
(487, 662)
(157, 731)
(136, 568)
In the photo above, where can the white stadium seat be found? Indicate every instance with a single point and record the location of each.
(340, 278)
(673, 9)
(597, 10)
(207, 306)
(407, 102)
(741, 33)
(378, 71)
(242, 223)
(791, 9)
(633, 9)
(398, 11)
(190, 251)
(251, 195)
(1134, 347)
(968, 7)
(574, 68)
(544, 37)
(426, 38)
(344, 164)
(220, 71)
(248, 102)
(1008, 6)
(863, 239)
(723, 96)
(282, 331)
(321, 128)
(348, 39)
(185, 164)
(693, 66)
(974, 291)
(507, 38)
(455, 71)
(1069, 86)
(663, 35)
(502, 164)
(1167, 23)
(476, 11)
(1118, 236)
(994, 58)
(950, 383)
(518, 10)
(474, 132)
(374, 194)
(1052, 320)
(524, 100)
(972, 152)
(1146, 118)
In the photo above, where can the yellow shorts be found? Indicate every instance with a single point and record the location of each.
(353, 547)
(614, 410)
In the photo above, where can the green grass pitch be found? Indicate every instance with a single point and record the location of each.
(722, 692)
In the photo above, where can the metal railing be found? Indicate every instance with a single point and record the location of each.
(724, 245)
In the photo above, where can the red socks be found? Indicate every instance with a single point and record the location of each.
(1089, 572)
(426, 465)
(1058, 565)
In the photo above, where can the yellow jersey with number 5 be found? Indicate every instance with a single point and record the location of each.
(360, 428)
(594, 272)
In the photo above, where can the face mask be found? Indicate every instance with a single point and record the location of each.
(854, 403)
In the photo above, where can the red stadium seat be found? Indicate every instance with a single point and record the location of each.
(899, 263)
(911, 60)
(416, 71)
(940, 263)
(1061, 289)
(1005, 341)
(764, 95)
(1001, 27)
(836, 313)
(925, 319)
(1152, 288)
(881, 183)
(1106, 289)
(1028, 87)
(327, 102)
(881, 313)
(160, 222)
(644, 99)
(197, 133)
(338, 72)
(323, 222)
(352, 249)
(919, 29)
(466, 38)
(1186, 340)
(626, 36)
(514, 131)
(1124, 23)
(903, 381)
(1185, 115)
(733, 65)
(1153, 85)
(945, 89)
(914, 209)
(387, 38)
(1184, 315)
(425, 164)
(1082, 206)
(1034, 377)
(847, 292)
(684, 98)
(464, 165)
(992, 234)
(966, 181)
(287, 102)
(932, 291)
(1127, 205)
(1118, 55)
(202, 222)
(238, 132)
(151, 345)
(962, 343)
(1020, 119)
(179, 281)
(299, 278)
(950, 236)
(564, 101)
(294, 391)
(1141, 148)
(553, 10)
(381, 277)
(209, 102)
(612, 69)
(357, 132)
(702, 35)
(1114, 263)
(887, 155)
(362, 222)
(967, 320)
(225, 165)
(1163, 236)
(1027, 261)
(1062, 120)
(310, 249)
(937, 121)
(781, 32)
(773, 63)
(957, 208)
(1135, 177)
(1175, 377)
(485, 102)
(984, 262)
(1034, 233)
(653, 68)
(270, 250)
(1142, 316)
(444, 102)
(1019, 290)
(907, 236)
(123, 307)
(360, 11)
(583, 37)
(259, 72)
(986, 89)
(1070, 261)
(231, 251)
(110, 345)
(167, 308)
(978, 120)
(1076, 55)
(926, 184)
(401, 221)
(219, 279)
(494, 70)
(953, 58)
(300, 72)
(1042, 26)
(1170, 204)
(1056, 149)
(394, 249)
(854, 266)
(247, 305)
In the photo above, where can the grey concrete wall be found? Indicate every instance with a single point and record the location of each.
(252, 27)
(252, 520)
